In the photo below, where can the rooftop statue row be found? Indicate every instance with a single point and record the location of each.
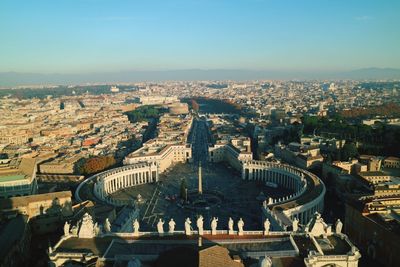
(87, 228)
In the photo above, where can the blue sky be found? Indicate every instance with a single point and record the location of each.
(72, 36)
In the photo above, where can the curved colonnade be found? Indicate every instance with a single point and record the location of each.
(306, 199)
(113, 180)
(308, 196)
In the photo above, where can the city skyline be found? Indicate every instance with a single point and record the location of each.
(283, 36)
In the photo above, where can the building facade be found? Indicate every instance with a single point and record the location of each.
(18, 177)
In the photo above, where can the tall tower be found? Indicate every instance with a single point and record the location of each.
(200, 180)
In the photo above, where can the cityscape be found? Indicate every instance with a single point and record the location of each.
(269, 162)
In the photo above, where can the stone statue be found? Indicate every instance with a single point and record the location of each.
(136, 226)
(295, 224)
(264, 262)
(74, 230)
(171, 225)
(97, 230)
(160, 226)
(329, 230)
(240, 225)
(86, 229)
(317, 226)
(230, 226)
(267, 226)
(199, 224)
(188, 230)
(66, 228)
(214, 223)
(339, 226)
(107, 226)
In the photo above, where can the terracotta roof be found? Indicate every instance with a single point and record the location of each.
(216, 256)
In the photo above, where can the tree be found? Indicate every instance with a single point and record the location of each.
(330, 180)
(195, 105)
(95, 164)
(310, 124)
(329, 158)
(338, 155)
(144, 113)
(349, 151)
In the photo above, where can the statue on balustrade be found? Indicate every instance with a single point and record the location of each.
(214, 224)
(339, 226)
(295, 225)
(136, 227)
(240, 225)
(107, 226)
(66, 228)
(267, 226)
(171, 225)
(199, 223)
(188, 227)
(160, 226)
(230, 226)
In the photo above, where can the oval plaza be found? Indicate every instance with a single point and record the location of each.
(156, 156)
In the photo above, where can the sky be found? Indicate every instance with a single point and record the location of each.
(78, 36)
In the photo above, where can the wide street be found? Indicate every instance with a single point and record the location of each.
(199, 139)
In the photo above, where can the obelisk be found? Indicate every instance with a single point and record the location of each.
(200, 180)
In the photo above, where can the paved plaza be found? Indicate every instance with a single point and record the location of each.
(240, 199)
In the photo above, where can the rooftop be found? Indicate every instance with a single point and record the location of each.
(372, 173)
(25, 200)
(17, 169)
(9, 178)
(155, 245)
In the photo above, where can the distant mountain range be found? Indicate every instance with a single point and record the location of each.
(372, 73)
(9, 79)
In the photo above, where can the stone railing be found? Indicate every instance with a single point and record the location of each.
(205, 232)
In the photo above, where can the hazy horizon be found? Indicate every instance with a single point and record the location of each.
(92, 36)
(11, 79)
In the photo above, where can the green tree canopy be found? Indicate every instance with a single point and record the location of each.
(349, 151)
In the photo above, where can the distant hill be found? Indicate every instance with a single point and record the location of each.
(15, 78)
(371, 74)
